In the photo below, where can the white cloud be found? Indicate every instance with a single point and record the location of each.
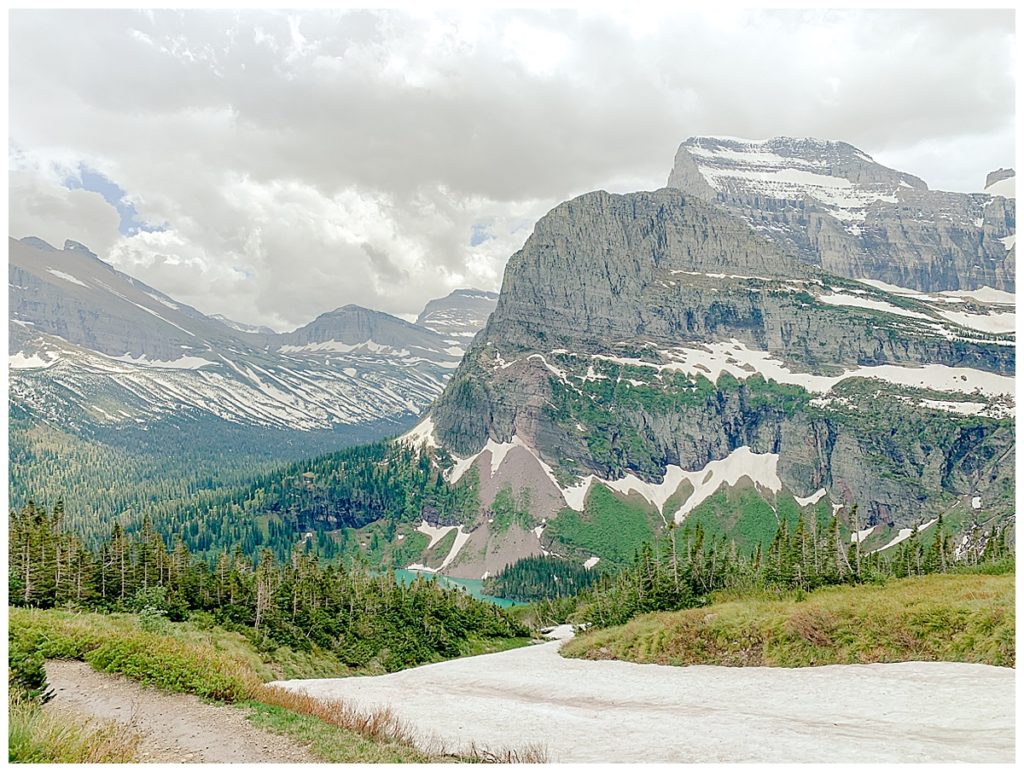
(305, 161)
(41, 206)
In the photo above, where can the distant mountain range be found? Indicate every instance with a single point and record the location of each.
(91, 345)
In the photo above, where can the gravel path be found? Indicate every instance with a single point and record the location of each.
(174, 727)
(584, 711)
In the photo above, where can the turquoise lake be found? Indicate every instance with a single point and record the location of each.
(473, 586)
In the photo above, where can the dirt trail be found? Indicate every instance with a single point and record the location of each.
(174, 727)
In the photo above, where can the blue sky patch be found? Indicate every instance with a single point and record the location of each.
(480, 233)
(113, 194)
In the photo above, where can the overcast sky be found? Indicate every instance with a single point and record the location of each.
(271, 166)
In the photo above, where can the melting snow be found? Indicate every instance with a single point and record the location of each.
(591, 561)
(22, 361)
(904, 534)
(814, 498)
(420, 435)
(66, 277)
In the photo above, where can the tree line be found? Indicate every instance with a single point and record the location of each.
(362, 618)
(682, 567)
(539, 578)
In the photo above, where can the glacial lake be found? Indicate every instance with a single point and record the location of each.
(473, 586)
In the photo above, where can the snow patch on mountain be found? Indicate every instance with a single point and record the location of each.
(985, 295)
(995, 322)
(182, 363)
(814, 498)
(1006, 187)
(22, 361)
(904, 534)
(421, 435)
(840, 299)
(735, 358)
(66, 277)
(436, 533)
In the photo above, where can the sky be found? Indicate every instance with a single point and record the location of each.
(271, 166)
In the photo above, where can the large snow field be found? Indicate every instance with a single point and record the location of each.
(585, 711)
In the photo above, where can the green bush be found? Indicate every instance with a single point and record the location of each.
(26, 671)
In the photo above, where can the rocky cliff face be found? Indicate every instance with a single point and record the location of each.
(653, 342)
(833, 206)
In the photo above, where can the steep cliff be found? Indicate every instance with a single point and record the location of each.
(655, 346)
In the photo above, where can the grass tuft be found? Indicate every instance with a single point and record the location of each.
(41, 736)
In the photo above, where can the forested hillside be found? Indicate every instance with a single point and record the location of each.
(361, 619)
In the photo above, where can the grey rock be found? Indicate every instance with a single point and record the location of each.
(629, 276)
(832, 206)
(998, 175)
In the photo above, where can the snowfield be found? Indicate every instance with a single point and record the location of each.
(584, 711)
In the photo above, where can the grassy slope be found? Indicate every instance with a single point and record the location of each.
(215, 664)
(613, 527)
(957, 618)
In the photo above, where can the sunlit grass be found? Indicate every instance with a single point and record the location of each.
(955, 618)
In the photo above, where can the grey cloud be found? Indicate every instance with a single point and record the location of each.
(362, 146)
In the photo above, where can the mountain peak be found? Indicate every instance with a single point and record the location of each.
(795, 167)
(75, 246)
(38, 243)
(460, 314)
(1001, 182)
(832, 205)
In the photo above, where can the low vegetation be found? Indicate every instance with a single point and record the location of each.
(185, 657)
(609, 526)
(952, 618)
(37, 736)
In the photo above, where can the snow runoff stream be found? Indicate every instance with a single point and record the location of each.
(584, 711)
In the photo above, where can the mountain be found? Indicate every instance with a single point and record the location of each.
(668, 357)
(831, 205)
(460, 315)
(97, 354)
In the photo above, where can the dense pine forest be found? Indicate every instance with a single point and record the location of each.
(162, 472)
(540, 578)
(301, 603)
(248, 504)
